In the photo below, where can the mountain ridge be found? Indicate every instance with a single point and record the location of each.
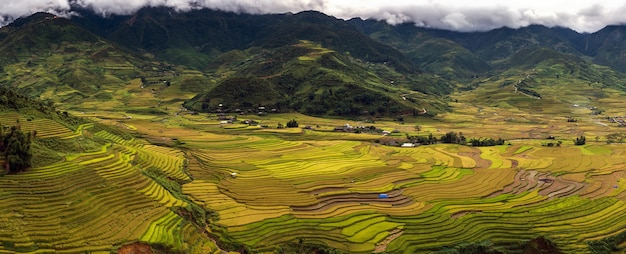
(198, 51)
(67, 62)
(240, 31)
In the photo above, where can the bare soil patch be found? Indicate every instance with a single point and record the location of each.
(135, 248)
(394, 198)
(463, 213)
(382, 246)
(548, 185)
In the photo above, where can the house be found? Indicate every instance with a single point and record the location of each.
(386, 133)
(383, 195)
(408, 145)
(344, 128)
(251, 122)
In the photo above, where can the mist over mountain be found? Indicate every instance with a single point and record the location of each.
(482, 15)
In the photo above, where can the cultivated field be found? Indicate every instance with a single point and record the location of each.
(441, 195)
(268, 187)
(323, 187)
(97, 201)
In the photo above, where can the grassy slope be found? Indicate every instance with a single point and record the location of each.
(561, 80)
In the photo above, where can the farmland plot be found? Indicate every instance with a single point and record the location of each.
(263, 189)
(359, 196)
(97, 201)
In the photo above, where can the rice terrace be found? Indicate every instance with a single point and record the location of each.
(206, 131)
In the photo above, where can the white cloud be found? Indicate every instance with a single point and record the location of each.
(584, 16)
(11, 9)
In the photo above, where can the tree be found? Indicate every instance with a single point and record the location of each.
(449, 138)
(15, 146)
(580, 141)
(487, 142)
(418, 128)
(453, 138)
(292, 124)
(417, 139)
(432, 139)
(615, 138)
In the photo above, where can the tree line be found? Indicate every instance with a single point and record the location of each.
(454, 138)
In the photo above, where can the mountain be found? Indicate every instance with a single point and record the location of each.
(473, 52)
(190, 38)
(431, 53)
(311, 79)
(500, 43)
(55, 58)
(461, 56)
(43, 52)
(201, 39)
(157, 59)
(607, 47)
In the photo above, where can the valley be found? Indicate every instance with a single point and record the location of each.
(303, 133)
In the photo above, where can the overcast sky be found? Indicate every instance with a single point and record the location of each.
(473, 15)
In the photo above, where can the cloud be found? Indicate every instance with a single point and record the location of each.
(487, 15)
(477, 15)
(12, 9)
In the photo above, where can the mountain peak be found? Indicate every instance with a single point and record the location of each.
(37, 17)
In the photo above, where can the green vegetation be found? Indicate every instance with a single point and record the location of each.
(15, 147)
(607, 245)
(579, 141)
(453, 138)
(427, 140)
(292, 123)
(486, 142)
(537, 245)
(327, 83)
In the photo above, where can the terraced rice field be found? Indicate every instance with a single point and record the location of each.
(438, 196)
(45, 128)
(97, 201)
(272, 187)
